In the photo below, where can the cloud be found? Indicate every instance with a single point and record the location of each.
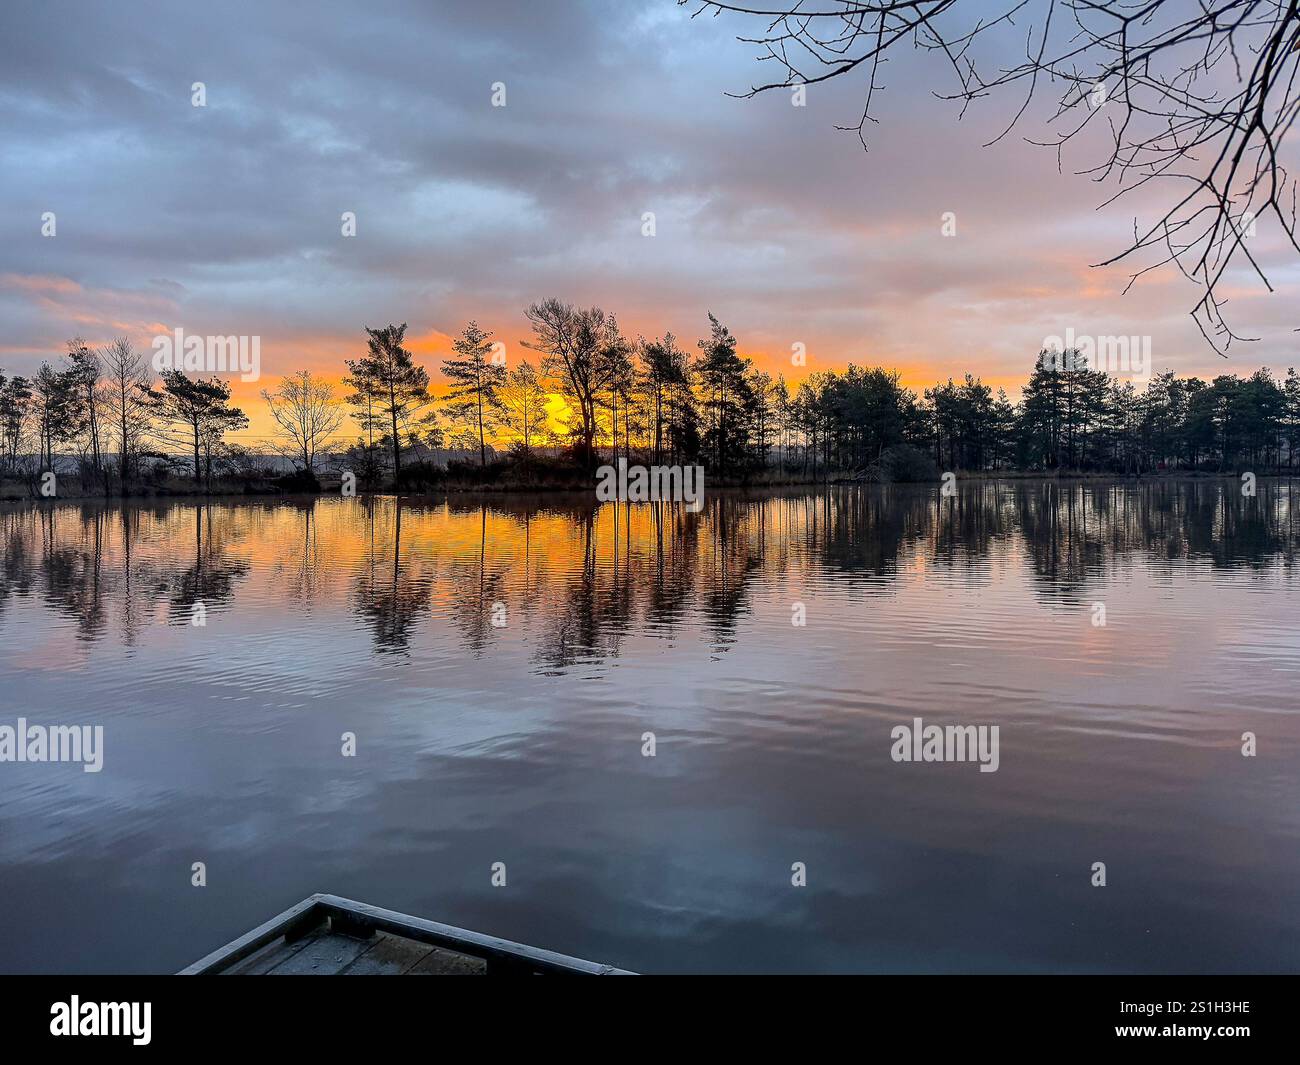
(226, 219)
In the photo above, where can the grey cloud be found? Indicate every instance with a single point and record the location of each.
(765, 212)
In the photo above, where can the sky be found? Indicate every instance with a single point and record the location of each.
(226, 219)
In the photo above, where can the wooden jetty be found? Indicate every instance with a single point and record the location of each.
(325, 935)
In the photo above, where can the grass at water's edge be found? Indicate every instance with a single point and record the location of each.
(14, 491)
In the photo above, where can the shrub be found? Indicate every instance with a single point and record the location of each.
(466, 471)
(419, 477)
(297, 481)
(906, 463)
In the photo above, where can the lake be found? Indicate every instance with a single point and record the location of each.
(500, 662)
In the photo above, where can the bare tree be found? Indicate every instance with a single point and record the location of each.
(575, 345)
(126, 400)
(1196, 96)
(307, 414)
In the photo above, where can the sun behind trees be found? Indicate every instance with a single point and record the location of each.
(522, 401)
(476, 383)
(106, 427)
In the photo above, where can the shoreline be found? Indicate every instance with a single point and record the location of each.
(10, 493)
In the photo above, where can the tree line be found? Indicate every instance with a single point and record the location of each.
(587, 393)
(104, 408)
(657, 401)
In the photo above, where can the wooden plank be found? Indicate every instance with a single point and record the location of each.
(439, 962)
(278, 946)
(263, 961)
(501, 955)
(388, 956)
(286, 923)
(324, 955)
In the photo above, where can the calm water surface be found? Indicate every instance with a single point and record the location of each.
(522, 743)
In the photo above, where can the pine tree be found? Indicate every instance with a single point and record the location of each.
(198, 412)
(388, 387)
(476, 382)
(722, 376)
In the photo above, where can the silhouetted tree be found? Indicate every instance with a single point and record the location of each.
(476, 382)
(198, 412)
(574, 346)
(126, 400)
(391, 385)
(306, 413)
(522, 404)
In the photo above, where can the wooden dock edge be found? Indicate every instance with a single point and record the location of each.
(357, 918)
